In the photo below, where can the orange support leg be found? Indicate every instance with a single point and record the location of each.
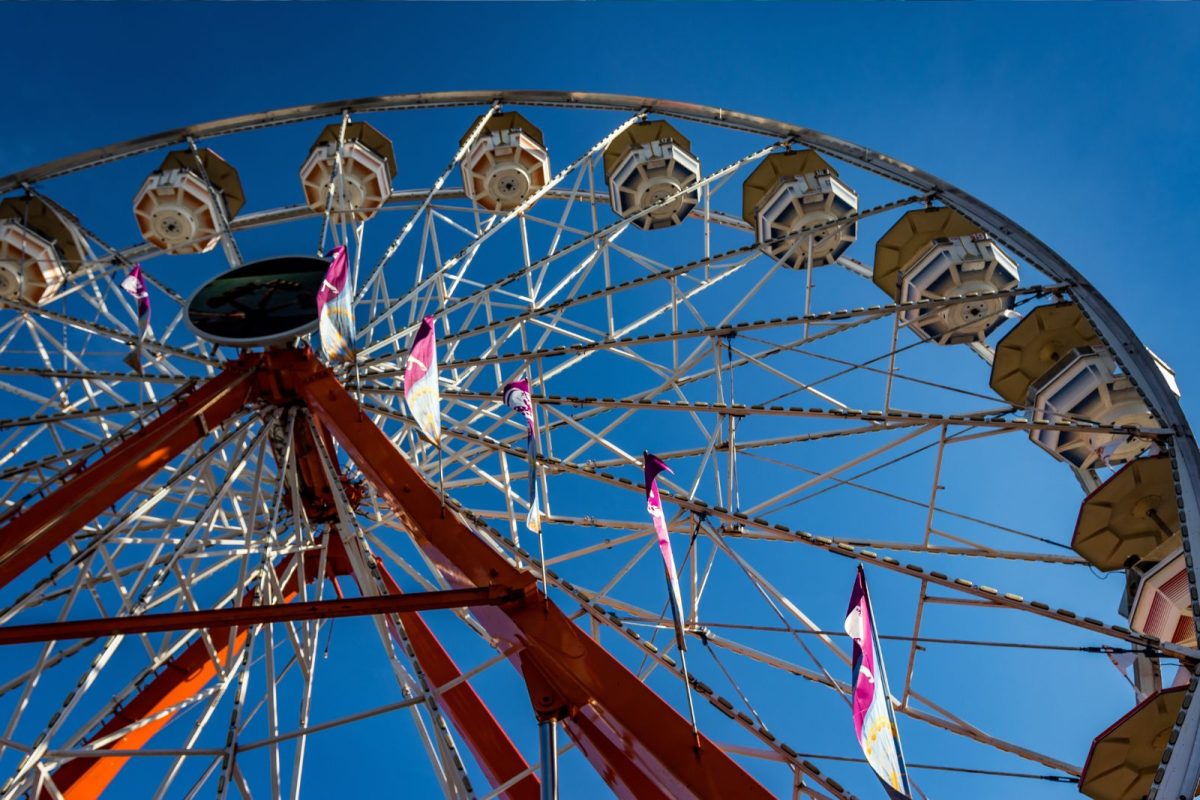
(34, 532)
(184, 676)
(579, 678)
(498, 757)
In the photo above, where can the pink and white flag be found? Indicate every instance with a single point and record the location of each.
(421, 383)
(874, 718)
(654, 466)
(517, 397)
(334, 309)
(135, 285)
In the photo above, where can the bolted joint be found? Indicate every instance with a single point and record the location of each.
(548, 703)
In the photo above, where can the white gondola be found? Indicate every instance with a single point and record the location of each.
(1162, 606)
(791, 191)
(368, 166)
(957, 267)
(180, 205)
(39, 249)
(938, 254)
(645, 165)
(1086, 387)
(507, 163)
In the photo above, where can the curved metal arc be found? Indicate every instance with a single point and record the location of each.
(1130, 352)
(1008, 231)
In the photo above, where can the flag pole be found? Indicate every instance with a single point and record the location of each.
(687, 683)
(542, 565)
(534, 497)
(441, 477)
(653, 466)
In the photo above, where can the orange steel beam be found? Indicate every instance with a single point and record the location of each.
(253, 615)
(498, 757)
(183, 676)
(189, 673)
(36, 531)
(621, 773)
(635, 740)
(570, 676)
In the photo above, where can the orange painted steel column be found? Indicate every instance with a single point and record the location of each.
(575, 677)
(620, 772)
(498, 757)
(37, 530)
(181, 678)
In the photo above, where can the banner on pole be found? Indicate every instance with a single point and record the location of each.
(421, 383)
(874, 717)
(517, 397)
(135, 285)
(654, 466)
(335, 309)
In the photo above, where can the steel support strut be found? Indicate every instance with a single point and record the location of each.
(634, 739)
(621, 725)
(156, 704)
(498, 757)
(251, 615)
(36, 531)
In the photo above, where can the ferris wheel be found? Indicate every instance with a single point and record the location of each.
(235, 561)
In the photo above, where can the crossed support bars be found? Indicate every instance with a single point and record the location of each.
(639, 744)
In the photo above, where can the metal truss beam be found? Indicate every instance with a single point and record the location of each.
(253, 615)
(569, 675)
(34, 532)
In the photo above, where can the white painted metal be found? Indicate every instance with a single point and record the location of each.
(578, 299)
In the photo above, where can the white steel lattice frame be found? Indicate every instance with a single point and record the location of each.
(222, 501)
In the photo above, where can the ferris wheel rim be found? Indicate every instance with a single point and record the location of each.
(1129, 350)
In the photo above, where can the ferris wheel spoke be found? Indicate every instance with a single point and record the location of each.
(465, 146)
(764, 505)
(111, 334)
(916, 547)
(87, 374)
(487, 233)
(987, 594)
(739, 328)
(597, 236)
(574, 194)
(986, 419)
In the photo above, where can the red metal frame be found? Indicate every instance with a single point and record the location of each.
(184, 676)
(498, 757)
(252, 615)
(637, 742)
(570, 676)
(37, 530)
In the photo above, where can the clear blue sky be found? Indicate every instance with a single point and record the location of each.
(1080, 121)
